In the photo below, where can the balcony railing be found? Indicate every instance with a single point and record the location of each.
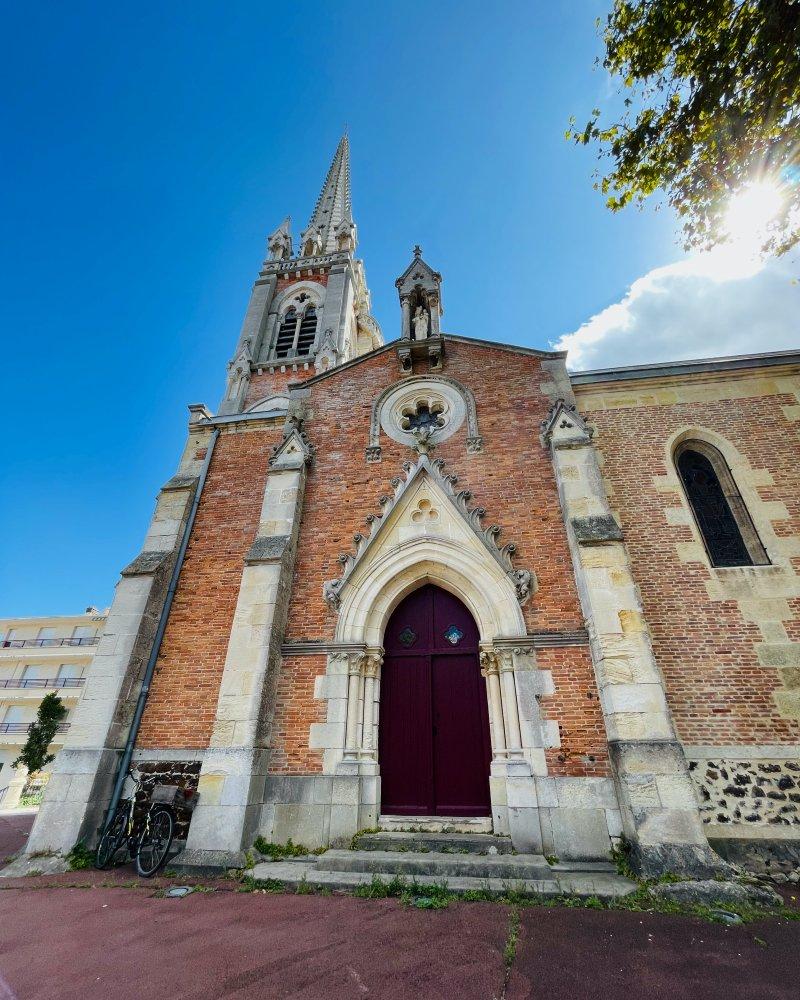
(24, 727)
(42, 682)
(89, 640)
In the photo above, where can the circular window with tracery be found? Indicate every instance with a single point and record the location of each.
(421, 405)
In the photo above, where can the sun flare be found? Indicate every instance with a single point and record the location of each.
(750, 213)
(746, 226)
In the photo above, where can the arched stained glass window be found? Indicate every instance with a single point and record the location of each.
(728, 532)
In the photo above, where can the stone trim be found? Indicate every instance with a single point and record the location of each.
(596, 529)
(791, 751)
(538, 640)
(169, 755)
(146, 563)
(179, 482)
(667, 368)
(267, 549)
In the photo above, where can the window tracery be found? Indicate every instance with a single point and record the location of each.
(720, 513)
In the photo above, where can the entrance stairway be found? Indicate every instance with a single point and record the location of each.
(462, 861)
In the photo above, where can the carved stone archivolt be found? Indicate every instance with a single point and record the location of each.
(523, 580)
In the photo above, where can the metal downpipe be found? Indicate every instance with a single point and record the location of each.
(127, 753)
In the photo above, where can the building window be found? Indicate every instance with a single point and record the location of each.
(36, 672)
(297, 332)
(70, 671)
(47, 636)
(84, 632)
(725, 525)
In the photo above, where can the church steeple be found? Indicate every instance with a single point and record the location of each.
(331, 226)
(310, 306)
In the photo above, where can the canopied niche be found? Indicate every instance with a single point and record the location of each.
(419, 287)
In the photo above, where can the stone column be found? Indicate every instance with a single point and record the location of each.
(82, 778)
(434, 306)
(355, 673)
(405, 326)
(510, 707)
(253, 327)
(338, 300)
(369, 746)
(490, 670)
(517, 812)
(656, 796)
(233, 774)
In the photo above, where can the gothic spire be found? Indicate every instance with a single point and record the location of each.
(332, 218)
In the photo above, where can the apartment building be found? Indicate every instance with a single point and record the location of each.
(37, 656)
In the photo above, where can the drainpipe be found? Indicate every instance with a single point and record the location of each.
(127, 753)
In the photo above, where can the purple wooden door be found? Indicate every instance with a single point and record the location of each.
(434, 742)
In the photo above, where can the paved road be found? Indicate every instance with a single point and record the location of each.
(91, 943)
(15, 825)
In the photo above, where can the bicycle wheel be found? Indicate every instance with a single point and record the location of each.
(111, 841)
(154, 842)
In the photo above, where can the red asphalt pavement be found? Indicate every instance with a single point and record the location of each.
(123, 943)
(14, 830)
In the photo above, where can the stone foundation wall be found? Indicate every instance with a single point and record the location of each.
(749, 793)
(183, 773)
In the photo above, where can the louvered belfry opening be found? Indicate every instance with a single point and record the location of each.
(286, 332)
(308, 331)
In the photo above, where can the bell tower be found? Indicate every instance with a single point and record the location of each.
(309, 310)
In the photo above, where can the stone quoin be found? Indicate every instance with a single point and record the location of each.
(443, 578)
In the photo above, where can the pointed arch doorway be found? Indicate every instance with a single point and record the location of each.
(434, 744)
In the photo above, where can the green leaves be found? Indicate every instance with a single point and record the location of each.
(34, 755)
(712, 103)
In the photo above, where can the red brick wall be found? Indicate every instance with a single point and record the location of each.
(183, 699)
(512, 478)
(295, 711)
(717, 689)
(575, 707)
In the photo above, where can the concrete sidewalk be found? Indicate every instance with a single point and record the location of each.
(99, 942)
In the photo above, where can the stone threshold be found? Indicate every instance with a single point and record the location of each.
(435, 824)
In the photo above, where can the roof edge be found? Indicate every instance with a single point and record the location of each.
(734, 362)
(456, 337)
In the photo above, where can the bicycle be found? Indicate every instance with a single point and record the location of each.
(147, 840)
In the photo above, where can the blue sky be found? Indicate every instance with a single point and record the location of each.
(150, 149)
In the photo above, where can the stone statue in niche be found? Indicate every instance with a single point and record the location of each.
(420, 323)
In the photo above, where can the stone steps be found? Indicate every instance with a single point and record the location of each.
(575, 882)
(457, 843)
(436, 864)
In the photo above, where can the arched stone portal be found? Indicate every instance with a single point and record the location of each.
(434, 748)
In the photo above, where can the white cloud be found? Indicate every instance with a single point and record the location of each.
(705, 306)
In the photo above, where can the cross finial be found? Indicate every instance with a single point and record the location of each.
(417, 250)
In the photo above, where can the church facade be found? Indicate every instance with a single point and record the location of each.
(444, 580)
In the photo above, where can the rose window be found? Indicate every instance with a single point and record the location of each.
(422, 414)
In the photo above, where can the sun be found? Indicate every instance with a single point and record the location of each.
(750, 213)
(746, 224)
